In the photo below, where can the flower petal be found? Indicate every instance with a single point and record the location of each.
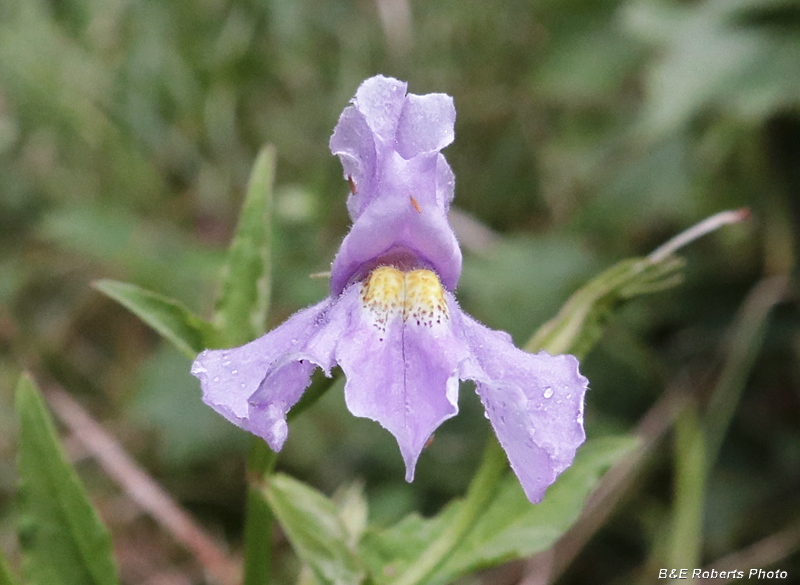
(352, 142)
(393, 221)
(380, 99)
(445, 183)
(255, 385)
(401, 365)
(230, 376)
(426, 124)
(534, 402)
(389, 144)
(288, 377)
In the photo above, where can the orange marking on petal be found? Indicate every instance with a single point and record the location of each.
(352, 184)
(415, 204)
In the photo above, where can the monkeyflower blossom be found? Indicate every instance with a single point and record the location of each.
(391, 321)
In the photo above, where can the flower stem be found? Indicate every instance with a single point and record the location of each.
(686, 538)
(258, 519)
(481, 489)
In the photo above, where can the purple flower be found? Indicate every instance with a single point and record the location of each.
(392, 322)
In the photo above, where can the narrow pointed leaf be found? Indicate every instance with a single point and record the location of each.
(316, 531)
(62, 539)
(244, 301)
(240, 317)
(186, 331)
(579, 324)
(511, 527)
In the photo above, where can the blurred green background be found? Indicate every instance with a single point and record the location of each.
(587, 131)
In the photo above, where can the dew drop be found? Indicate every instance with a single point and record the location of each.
(235, 372)
(548, 392)
(216, 378)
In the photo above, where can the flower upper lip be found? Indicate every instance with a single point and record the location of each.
(389, 143)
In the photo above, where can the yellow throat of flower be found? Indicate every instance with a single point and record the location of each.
(417, 296)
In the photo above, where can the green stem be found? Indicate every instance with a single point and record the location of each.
(481, 489)
(258, 519)
(690, 475)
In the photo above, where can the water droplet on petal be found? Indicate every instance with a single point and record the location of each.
(548, 392)
(216, 378)
(235, 371)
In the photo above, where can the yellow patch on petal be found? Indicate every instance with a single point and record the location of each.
(384, 290)
(416, 296)
(425, 303)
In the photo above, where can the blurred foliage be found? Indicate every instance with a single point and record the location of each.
(588, 131)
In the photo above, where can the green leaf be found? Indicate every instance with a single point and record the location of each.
(351, 504)
(241, 316)
(392, 551)
(63, 541)
(244, 301)
(511, 527)
(579, 324)
(315, 529)
(6, 576)
(188, 332)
